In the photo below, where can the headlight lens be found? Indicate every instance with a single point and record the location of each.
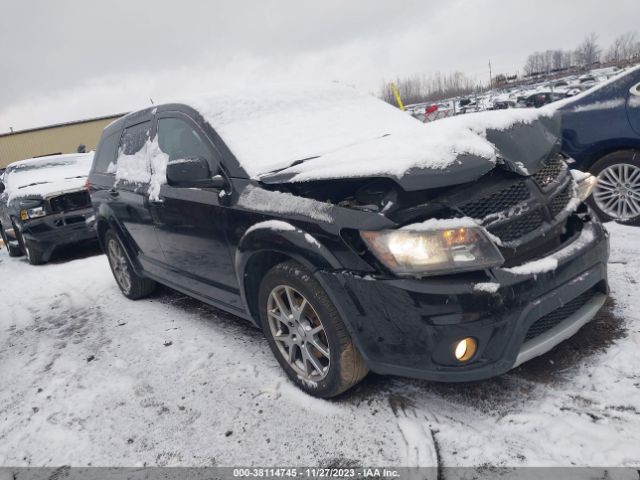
(36, 212)
(433, 251)
(585, 184)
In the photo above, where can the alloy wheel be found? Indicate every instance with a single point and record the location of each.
(119, 264)
(298, 333)
(618, 191)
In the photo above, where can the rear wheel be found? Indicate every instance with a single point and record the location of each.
(132, 285)
(306, 334)
(14, 251)
(617, 195)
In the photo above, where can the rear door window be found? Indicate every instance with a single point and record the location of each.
(132, 164)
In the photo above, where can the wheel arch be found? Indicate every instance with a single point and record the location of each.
(261, 248)
(103, 225)
(600, 151)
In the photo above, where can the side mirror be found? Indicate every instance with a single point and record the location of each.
(192, 172)
(2, 187)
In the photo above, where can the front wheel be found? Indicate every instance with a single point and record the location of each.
(131, 284)
(306, 334)
(617, 195)
(35, 256)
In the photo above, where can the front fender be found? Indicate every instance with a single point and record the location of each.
(280, 239)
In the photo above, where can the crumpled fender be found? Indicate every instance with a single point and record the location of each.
(288, 240)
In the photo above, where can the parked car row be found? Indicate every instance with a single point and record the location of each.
(357, 239)
(534, 95)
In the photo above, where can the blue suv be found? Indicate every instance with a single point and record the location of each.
(601, 132)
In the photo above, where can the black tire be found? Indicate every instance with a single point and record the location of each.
(630, 157)
(136, 287)
(31, 250)
(346, 366)
(13, 251)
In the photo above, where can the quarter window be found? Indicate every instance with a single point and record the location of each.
(106, 155)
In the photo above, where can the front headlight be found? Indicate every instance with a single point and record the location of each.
(585, 184)
(413, 251)
(36, 212)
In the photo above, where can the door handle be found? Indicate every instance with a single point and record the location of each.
(113, 192)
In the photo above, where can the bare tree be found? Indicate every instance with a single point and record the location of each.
(437, 86)
(557, 59)
(623, 48)
(588, 52)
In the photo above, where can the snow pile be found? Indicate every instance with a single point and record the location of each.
(148, 165)
(47, 176)
(276, 225)
(536, 267)
(259, 200)
(351, 134)
(441, 224)
(487, 287)
(158, 161)
(604, 105)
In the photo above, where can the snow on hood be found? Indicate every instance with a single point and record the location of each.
(311, 133)
(46, 176)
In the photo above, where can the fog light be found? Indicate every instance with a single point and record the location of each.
(465, 349)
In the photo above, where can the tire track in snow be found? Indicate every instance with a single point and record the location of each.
(416, 430)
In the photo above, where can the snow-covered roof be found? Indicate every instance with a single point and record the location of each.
(45, 176)
(352, 134)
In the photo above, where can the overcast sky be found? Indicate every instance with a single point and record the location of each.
(65, 60)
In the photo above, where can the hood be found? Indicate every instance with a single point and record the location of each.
(454, 152)
(309, 133)
(48, 176)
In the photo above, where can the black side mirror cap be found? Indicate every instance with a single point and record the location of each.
(192, 173)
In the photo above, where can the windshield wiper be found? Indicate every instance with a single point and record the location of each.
(297, 162)
(32, 184)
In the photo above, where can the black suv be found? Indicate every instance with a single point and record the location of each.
(354, 236)
(44, 204)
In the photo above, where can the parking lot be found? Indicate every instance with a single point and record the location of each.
(171, 381)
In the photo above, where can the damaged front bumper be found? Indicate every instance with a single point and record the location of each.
(409, 327)
(59, 229)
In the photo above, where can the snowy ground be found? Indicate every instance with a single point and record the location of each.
(90, 378)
